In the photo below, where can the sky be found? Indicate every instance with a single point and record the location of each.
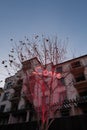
(62, 18)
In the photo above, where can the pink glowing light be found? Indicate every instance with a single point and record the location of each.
(39, 71)
(36, 87)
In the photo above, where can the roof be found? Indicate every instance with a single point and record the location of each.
(27, 61)
(71, 60)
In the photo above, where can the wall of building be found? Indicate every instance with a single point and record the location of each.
(15, 91)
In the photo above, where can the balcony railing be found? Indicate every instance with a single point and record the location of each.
(80, 102)
(81, 85)
(77, 70)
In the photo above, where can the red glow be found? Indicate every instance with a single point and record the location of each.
(39, 71)
(36, 87)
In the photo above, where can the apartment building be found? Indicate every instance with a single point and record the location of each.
(15, 102)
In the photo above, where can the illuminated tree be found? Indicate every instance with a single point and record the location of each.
(42, 85)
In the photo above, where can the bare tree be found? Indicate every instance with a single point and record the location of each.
(47, 50)
(42, 86)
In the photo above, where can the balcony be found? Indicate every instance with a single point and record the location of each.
(15, 97)
(81, 86)
(76, 67)
(77, 70)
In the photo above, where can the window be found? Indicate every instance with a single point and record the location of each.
(84, 93)
(26, 65)
(62, 81)
(59, 69)
(6, 96)
(80, 77)
(2, 107)
(14, 106)
(20, 82)
(76, 64)
(8, 85)
(65, 112)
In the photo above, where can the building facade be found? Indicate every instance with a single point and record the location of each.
(16, 101)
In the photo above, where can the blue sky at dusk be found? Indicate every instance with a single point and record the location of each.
(64, 18)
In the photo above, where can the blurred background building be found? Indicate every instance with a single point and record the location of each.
(16, 108)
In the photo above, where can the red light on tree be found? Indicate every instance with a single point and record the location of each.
(59, 75)
(44, 83)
